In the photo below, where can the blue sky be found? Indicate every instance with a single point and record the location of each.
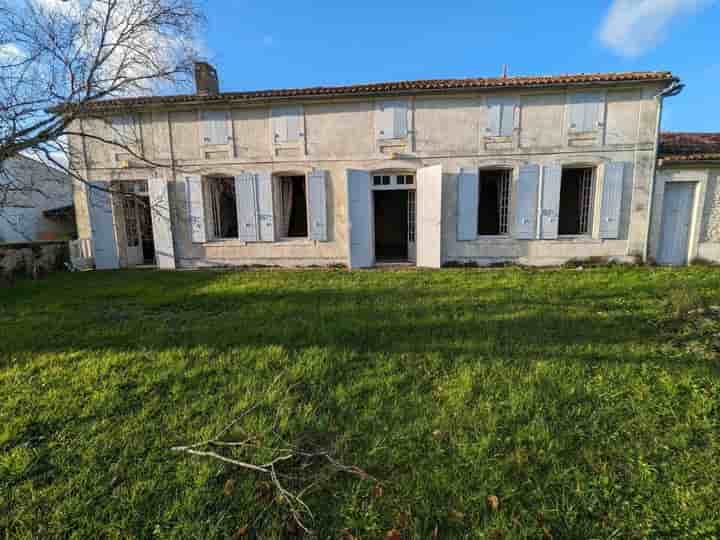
(263, 44)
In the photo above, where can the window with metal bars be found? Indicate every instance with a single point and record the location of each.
(576, 195)
(494, 201)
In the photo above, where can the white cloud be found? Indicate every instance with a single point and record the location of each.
(632, 27)
(9, 51)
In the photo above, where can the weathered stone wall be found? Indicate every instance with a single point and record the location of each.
(32, 258)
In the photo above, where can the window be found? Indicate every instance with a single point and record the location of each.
(576, 194)
(391, 119)
(585, 111)
(223, 207)
(215, 127)
(287, 124)
(501, 116)
(494, 201)
(293, 207)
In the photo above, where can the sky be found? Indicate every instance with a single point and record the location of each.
(260, 44)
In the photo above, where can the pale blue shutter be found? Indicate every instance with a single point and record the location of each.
(359, 220)
(400, 119)
(494, 117)
(161, 222)
(279, 125)
(215, 127)
(507, 117)
(102, 225)
(584, 112)
(294, 124)
(266, 217)
(526, 207)
(247, 208)
(550, 213)
(196, 207)
(467, 204)
(611, 199)
(317, 205)
(384, 120)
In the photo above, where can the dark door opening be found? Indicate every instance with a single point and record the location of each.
(146, 231)
(391, 225)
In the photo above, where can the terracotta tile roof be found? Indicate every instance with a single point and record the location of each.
(400, 87)
(675, 146)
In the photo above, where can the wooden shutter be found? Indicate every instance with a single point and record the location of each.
(549, 215)
(161, 222)
(196, 208)
(611, 199)
(104, 241)
(501, 116)
(385, 120)
(247, 207)
(584, 112)
(526, 207)
(359, 205)
(317, 205)
(467, 204)
(215, 127)
(125, 130)
(266, 216)
(429, 216)
(400, 119)
(287, 123)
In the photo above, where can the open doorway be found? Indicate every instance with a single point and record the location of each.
(140, 246)
(394, 217)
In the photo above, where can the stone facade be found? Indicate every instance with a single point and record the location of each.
(444, 128)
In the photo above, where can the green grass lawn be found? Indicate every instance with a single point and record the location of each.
(572, 396)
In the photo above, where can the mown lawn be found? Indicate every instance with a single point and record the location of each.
(574, 397)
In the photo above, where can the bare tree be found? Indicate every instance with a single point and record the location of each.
(59, 56)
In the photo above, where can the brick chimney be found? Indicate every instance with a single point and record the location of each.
(206, 79)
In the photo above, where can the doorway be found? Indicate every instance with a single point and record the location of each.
(676, 218)
(391, 225)
(140, 247)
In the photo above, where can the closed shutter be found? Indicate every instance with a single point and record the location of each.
(501, 116)
(161, 222)
(385, 120)
(611, 199)
(124, 130)
(104, 241)
(247, 207)
(400, 119)
(550, 213)
(317, 205)
(266, 217)
(467, 205)
(196, 207)
(585, 111)
(526, 208)
(359, 208)
(215, 127)
(287, 124)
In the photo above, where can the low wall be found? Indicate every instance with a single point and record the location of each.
(32, 258)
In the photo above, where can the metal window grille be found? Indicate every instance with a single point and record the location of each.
(131, 224)
(585, 200)
(504, 200)
(411, 215)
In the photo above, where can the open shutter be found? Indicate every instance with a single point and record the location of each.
(266, 217)
(467, 204)
(385, 120)
(429, 216)
(549, 216)
(611, 199)
(247, 207)
(161, 222)
(104, 242)
(526, 208)
(359, 207)
(196, 208)
(317, 205)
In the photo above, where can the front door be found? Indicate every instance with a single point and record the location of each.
(391, 225)
(675, 229)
